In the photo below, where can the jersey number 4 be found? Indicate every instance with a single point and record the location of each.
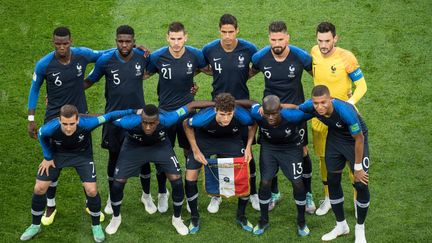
(217, 67)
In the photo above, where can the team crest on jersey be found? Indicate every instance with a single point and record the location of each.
(138, 69)
(189, 68)
(161, 133)
(79, 70)
(287, 132)
(333, 69)
(58, 142)
(235, 129)
(137, 137)
(241, 61)
(291, 70)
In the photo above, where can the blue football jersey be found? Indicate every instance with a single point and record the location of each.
(64, 82)
(230, 69)
(283, 79)
(176, 75)
(124, 80)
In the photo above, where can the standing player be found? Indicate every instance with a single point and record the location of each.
(176, 65)
(146, 142)
(282, 66)
(123, 69)
(280, 147)
(66, 142)
(347, 140)
(63, 70)
(229, 59)
(216, 131)
(338, 69)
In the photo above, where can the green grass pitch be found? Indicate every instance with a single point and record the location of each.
(391, 40)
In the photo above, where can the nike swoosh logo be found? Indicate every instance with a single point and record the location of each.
(296, 177)
(165, 65)
(114, 71)
(55, 74)
(217, 59)
(93, 176)
(265, 68)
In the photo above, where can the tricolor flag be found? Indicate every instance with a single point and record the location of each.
(227, 177)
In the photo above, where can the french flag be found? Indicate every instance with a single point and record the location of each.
(227, 177)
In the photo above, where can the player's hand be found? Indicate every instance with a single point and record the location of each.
(361, 176)
(139, 111)
(44, 166)
(248, 154)
(194, 88)
(261, 111)
(144, 49)
(350, 94)
(32, 129)
(200, 157)
(305, 151)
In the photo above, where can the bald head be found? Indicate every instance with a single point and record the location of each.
(271, 103)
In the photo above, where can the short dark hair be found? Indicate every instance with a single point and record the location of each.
(228, 19)
(320, 90)
(176, 27)
(325, 27)
(271, 102)
(62, 31)
(224, 102)
(150, 110)
(125, 30)
(278, 26)
(68, 111)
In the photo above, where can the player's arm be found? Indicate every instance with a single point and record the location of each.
(36, 84)
(128, 122)
(45, 132)
(356, 76)
(190, 134)
(207, 70)
(307, 106)
(295, 116)
(359, 174)
(246, 103)
(91, 123)
(97, 72)
(199, 104)
(251, 136)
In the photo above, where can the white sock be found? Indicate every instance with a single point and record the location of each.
(341, 223)
(51, 202)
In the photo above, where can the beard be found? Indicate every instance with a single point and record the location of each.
(278, 49)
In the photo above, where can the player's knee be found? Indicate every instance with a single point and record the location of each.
(91, 190)
(298, 187)
(118, 185)
(360, 187)
(191, 175)
(265, 184)
(333, 178)
(173, 177)
(40, 187)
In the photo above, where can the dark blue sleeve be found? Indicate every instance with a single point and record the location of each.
(154, 57)
(307, 106)
(168, 119)
(295, 116)
(304, 56)
(44, 135)
(89, 54)
(199, 55)
(243, 116)
(91, 123)
(255, 113)
(249, 45)
(257, 57)
(128, 122)
(98, 71)
(207, 47)
(202, 118)
(38, 77)
(349, 116)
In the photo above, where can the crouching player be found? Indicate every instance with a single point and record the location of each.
(146, 141)
(347, 140)
(66, 143)
(217, 132)
(279, 137)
